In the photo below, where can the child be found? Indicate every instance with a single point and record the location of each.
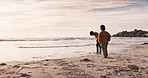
(103, 39)
(97, 44)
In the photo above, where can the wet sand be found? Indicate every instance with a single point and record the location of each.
(132, 63)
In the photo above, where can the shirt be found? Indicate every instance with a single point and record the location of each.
(104, 36)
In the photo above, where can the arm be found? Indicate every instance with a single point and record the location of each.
(109, 36)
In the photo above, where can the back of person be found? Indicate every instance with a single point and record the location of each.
(96, 34)
(104, 35)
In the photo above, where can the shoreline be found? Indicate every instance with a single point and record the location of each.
(131, 63)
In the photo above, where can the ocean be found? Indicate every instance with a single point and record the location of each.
(63, 47)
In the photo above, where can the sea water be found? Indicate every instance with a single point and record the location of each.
(55, 48)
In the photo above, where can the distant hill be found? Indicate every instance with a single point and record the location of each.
(135, 33)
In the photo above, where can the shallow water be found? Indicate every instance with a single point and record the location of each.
(52, 48)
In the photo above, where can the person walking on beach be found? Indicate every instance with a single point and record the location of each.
(97, 44)
(103, 39)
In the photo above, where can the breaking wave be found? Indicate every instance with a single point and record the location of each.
(48, 39)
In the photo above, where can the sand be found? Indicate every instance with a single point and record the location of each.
(132, 63)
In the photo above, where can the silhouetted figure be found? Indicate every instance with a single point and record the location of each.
(103, 39)
(97, 44)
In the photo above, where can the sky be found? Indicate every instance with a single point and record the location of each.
(70, 18)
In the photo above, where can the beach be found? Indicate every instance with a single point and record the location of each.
(51, 38)
(131, 63)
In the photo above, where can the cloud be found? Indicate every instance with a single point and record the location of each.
(129, 5)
